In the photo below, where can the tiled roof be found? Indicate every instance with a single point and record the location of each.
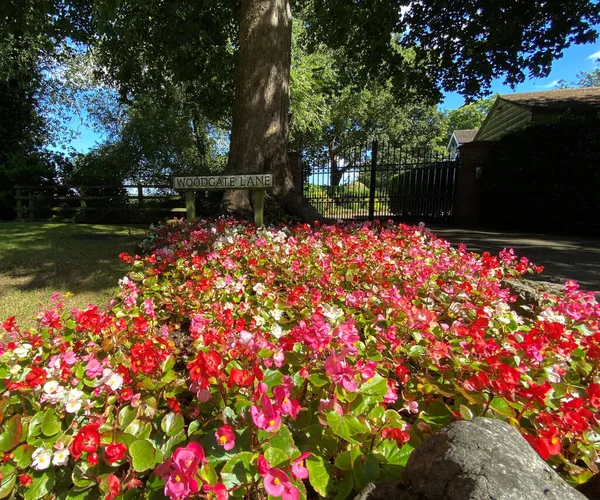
(466, 135)
(557, 99)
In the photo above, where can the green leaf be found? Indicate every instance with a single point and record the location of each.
(359, 474)
(43, 482)
(371, 468)
(7, 484)
(344, 487)
(364, 404)
(346, 426)
(35, 425)
(193, 427)
(344, 461)
(437, 414)
(82, 472)
(377, 386)
(22, 456)
(317, 379)
(238, 470)
(319, 474)
(276, 457)
(465, 412)
(12, 434)
(172, 423)
(208, 474)
(50, 423)
(143, 455)
(273, 378)
(501, 406)
(284, 441)
(169, 444)
(127, 415)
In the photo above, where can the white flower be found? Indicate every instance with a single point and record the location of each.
(552, 316)
(61, 457)
(73, 401)
(72, 406)
(115, 381)
(14, 369)
(110, 378)
(276, 313)
(41, 459)
(259, 320)
(23, 350)
(276, 331)
(332, 312)
(51, 386)
(258, 288)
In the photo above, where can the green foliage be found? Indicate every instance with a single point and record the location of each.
(459, 46)
(535, 187)
(469, 116)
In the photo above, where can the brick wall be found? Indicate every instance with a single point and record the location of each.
(476, 158)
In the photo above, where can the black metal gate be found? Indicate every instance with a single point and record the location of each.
(379, 180)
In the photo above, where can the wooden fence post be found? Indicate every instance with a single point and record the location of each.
(190, 205)
(259, 207)
(140, 190)
(30, 214)
(19, 204)
(82, 202)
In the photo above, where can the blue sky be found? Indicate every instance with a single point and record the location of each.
(575, 59)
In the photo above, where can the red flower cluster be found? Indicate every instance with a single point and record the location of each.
(205, 366)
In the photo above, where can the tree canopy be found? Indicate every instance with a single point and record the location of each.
(359, 67)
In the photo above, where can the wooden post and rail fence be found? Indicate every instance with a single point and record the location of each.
(72, 200)
(68, 200)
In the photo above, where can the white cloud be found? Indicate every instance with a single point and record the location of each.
(594, 56)
(550, 85)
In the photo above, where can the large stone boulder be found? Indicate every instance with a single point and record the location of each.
(481, 459)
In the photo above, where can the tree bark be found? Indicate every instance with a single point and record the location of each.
(259, 133)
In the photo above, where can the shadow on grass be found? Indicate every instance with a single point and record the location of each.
(67, 257)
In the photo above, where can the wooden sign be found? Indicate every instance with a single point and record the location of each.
(255, 182)
(216, 182)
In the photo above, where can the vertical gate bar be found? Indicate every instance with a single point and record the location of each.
(372, 184)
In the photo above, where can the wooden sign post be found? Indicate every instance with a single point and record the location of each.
(257, 183)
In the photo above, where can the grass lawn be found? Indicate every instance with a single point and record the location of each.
(37, 259)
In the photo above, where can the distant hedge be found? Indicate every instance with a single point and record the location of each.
(547, 178)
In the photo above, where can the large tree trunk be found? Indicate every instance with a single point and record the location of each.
(259, 131)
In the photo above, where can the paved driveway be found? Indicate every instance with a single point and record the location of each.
(563, 257)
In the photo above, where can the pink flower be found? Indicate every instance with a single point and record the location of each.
(290, 492)
(298, 468)
(218, 490)
(286, 405)
(225, 437)
(340, 372)
(94, 368)
(268, 419)
(367, 370)
(148, 306)
(275, 482)
(179, 471)
(70, 358)
(262, 465)
(278, 358)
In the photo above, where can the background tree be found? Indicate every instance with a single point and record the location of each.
(469, 116)
(417, 48)
(584, 79)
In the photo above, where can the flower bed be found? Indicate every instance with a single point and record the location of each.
(244, 363)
